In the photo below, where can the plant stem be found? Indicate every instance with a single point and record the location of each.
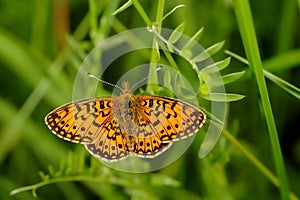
(142, 12)
(160, 13)
(258, 164)
(155, 52)
(244, 18)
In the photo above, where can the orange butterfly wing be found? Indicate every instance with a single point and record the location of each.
(165, 119)
(80, 121)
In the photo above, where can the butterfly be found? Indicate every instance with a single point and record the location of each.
(113, 128)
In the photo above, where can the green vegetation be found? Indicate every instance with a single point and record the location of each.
(43, 44)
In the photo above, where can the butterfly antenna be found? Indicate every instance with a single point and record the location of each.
(145, 78)
(102, 81)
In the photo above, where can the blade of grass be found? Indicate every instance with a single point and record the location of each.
(246, 27)
(40, 86)
(293, 90)
(286, 27)
(10, 130)
(34, 135)
(258, 164)
(40, 17)
(278, 63)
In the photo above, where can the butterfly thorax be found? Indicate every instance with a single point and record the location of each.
(125, 109)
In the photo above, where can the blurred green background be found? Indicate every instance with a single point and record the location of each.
(42, 44)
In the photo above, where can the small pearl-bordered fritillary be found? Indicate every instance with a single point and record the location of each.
(115, 128)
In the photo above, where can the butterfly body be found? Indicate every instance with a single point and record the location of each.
(114, 128)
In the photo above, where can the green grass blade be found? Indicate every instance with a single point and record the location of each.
(293, 90)
(246, 27)
(123, 7)
(283, 84)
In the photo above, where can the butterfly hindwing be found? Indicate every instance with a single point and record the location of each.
(148, 144)
(111, 144)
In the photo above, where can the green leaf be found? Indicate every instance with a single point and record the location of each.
(186, 53)
(208, 52)
(232, 77)
(216, 67)
(176, 34)
(183, 88)
(200, 57)
(43, 176)
(220, 81)
(215, 48)
(223, 97)
(185, 93)
(194, 39)
(204, 90)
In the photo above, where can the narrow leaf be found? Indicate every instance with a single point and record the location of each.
(123, 7)
(204, 90)
(232, 77)
(223, 97)
(215, 48)
(293, 90)
(209, 52)
(43, 176)
(176, 34)
(186, 53)
(218, 66)
(183, 87)
(173, 10)
(201, 57)
(196, 37)
(167, 79)
(226, 79)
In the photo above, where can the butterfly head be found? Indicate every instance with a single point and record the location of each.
(126, 89)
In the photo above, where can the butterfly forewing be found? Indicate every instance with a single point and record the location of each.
(80, 121)
(169, 119)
